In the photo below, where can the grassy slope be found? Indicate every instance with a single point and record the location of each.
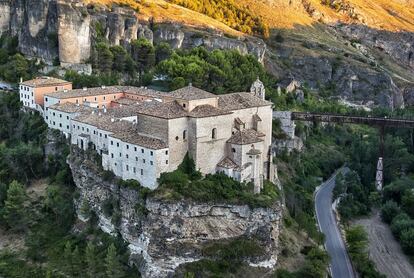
(392, 15)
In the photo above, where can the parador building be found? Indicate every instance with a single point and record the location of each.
(141, 133)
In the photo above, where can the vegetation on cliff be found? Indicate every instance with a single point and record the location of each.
(37, 211)
(235, 16)
(186, 182)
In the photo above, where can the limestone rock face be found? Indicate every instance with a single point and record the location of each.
(5, 10)
(74, 32)
(163, 235)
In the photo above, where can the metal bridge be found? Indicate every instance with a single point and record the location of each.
(367, 120)
(378, 122)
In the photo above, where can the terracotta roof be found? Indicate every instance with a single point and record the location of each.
(86, 92)
(228, 164)
(105, 122)
(69, 107)
(254, 151)
(141, 140)
(105, 90)
(257, 118)
(243, 137)
(44, 81)
(238, 101)
(165, 110)
(191, 93)
(125, 101)
(238, 121)
(206, 110)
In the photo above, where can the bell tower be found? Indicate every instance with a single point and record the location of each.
(258, 89)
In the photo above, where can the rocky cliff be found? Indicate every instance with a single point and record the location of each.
(163, 235)
(66, 29)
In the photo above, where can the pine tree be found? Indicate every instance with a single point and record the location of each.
(67, 258)
(14, 212)
(91, 260)
(76, 262)
(113, 266)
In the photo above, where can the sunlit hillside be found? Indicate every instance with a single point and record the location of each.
(393, 15)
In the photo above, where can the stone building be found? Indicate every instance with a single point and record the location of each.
(32, 92)
(142, 133)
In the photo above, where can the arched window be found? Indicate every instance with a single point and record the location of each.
(214, 133)
(184, 134)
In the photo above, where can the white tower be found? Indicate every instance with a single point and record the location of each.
(379, 175)
(258, 89)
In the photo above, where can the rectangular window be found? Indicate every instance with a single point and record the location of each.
(166, 162)
(143, 161)
(142, 172)
(112, 143)
(60, 115)
(152, 153)
(166, 152)
(67, 127)
(106, 135)
(135, 170)
(142, 150)
(152, 162)
(135, 148)
(120, 154)
(127, 167)
(112, 155)
(67, 117)
(127, 146)
(127, 156)
(117, 144)
(136, 158)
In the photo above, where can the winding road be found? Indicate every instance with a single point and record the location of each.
(340, 264)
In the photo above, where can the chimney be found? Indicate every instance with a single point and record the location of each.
(85, 89)
(112, 120)
(21, 79)
(103, 86)
(93, 112)
(190, 84)
(104, 110)
(65, 91)
(100, 114)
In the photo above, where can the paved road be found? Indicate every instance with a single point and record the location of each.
(340, 263)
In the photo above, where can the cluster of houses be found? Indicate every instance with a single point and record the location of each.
(141, 133)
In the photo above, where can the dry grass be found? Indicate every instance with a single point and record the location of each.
(392, 15)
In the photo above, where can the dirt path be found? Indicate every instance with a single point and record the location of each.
(384, 250)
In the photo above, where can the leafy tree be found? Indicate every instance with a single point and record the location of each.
(163, 51)
(389, 210)
(17, 67)
(114, 268)
(407, 240)
(120, 57)
(143, 53)
(400, 223)
(14, 211)
(105, 58)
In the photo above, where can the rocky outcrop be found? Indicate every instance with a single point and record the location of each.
(163, 235)
(66, 29)
(398, 45)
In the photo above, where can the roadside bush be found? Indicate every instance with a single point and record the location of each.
(389, 210)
